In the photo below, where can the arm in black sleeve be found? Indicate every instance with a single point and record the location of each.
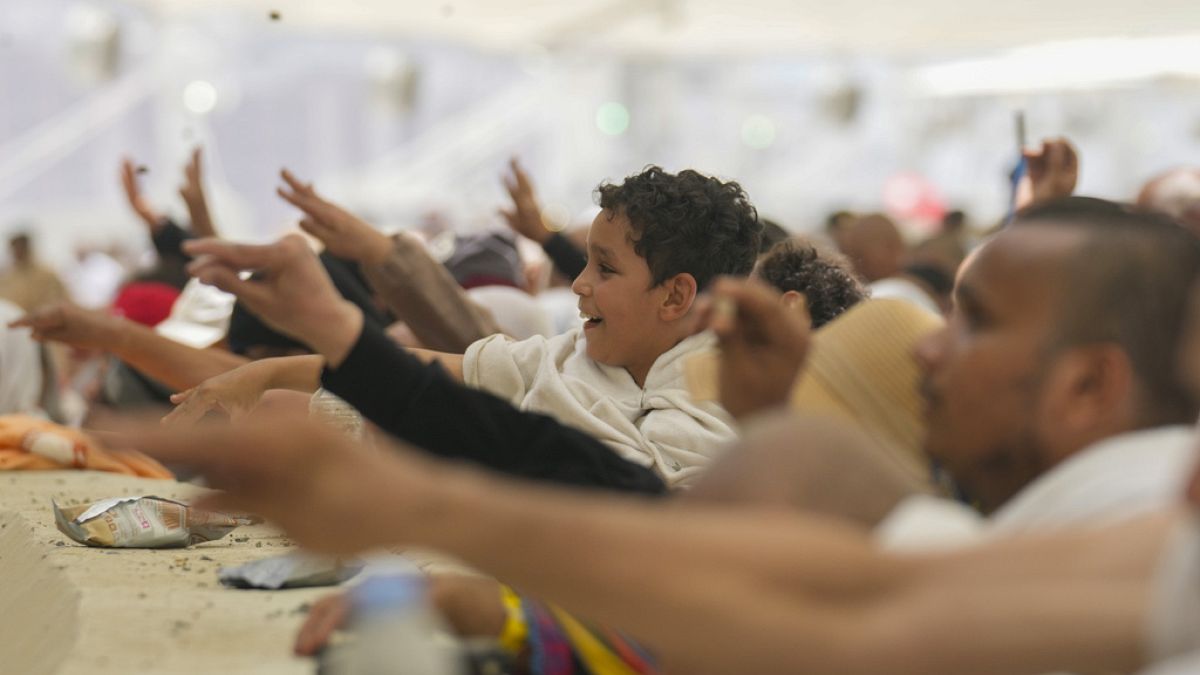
(421, 404)
(567, 258)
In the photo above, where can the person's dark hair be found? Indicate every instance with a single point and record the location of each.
(686, 222)
(772, 233)
(1128, 284)
(824, 277)
(934, 276)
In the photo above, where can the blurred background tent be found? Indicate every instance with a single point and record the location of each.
(404, 109)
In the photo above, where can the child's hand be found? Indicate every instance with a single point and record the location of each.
(763, 345)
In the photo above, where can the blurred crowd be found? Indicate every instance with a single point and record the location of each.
(681, 437)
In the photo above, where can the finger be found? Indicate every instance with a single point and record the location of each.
(225, 502)
(182, 396)
(523, 183)
(39, 321)
(759, 308)
(188, 412)
(305, 189)
(509, 216)
(326, 616)
(252, 293)
(316, 228)
(237, 256)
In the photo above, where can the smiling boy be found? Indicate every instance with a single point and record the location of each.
(657, 242)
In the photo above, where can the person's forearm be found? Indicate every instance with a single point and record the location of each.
(1073, 602)
(453, 363)
(176, 365)
(723, 591)
(664, 577)
(295, 373)
(202, 224)
(419, 291)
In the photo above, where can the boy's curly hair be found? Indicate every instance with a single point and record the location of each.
(824, 277)
(686, 222)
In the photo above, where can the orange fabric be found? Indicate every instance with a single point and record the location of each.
(86, 453)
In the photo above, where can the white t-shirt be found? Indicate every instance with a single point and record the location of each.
(658, 426)
(903, 289)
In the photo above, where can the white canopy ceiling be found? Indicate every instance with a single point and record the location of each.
(699, 27)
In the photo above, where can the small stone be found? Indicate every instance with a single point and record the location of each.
(60, 543)
(204, 557)
(142, 168)
(275, 15)
(258, 545)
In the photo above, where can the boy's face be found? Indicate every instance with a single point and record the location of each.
(624, 327)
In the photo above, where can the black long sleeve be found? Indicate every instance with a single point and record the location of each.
(567, 258)
(421, 404)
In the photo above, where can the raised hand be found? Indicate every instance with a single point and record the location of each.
(1053, 170)
(288, 289)
(74, 326)
(192, 192)
(133, 194)
(525, 217)
(763, 345)
(344, 234)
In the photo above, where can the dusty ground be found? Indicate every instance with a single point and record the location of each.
(66, 608)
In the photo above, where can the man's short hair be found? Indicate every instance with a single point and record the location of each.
(1128, 284)
(824, 277)
(686, 223)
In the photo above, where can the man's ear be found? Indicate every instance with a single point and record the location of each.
(681, 291)
(1089, 393)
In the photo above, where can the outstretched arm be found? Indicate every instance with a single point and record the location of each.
(416, 288)
(713, 590)
(176, 365)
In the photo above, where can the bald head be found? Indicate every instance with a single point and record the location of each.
(874, 245)
(1175, 193)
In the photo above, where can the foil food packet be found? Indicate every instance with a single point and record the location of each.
(142, 522)
(292, 570)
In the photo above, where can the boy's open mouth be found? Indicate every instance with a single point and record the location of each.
(589, 321)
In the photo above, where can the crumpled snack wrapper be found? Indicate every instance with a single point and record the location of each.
(143, 522)
(291, 570)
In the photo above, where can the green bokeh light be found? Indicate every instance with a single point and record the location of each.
(612, 118)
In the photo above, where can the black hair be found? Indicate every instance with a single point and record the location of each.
(824, 277)
(1128, 284)
(772, 233)
(686, 223)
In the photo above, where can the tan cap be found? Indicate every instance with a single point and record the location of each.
(861, 367)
